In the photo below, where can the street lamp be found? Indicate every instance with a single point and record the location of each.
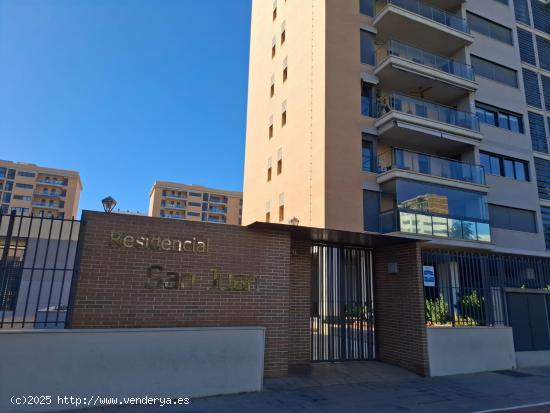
(109, 204)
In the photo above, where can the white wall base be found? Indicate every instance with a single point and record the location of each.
(172, 363)
(532, 359)
(463, 350)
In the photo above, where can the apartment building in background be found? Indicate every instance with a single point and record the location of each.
(195, 203)
(425, 118)
(31, 189)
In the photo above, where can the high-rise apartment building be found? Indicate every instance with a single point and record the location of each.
(31, 189)
(420, 117)
(195, 203)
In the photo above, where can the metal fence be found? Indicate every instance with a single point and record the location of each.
(37, 267)
(342, 313)
(470, 288)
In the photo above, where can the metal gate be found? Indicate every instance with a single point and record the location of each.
(342, 312)
(37, 267)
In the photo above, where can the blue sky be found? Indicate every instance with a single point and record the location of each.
(126, 92)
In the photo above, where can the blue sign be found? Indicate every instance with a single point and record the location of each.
(429, 276)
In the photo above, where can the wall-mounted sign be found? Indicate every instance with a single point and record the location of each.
(195, 245)
(159, 278)
(429, 275)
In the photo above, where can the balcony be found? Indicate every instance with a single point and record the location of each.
(48, 205)
(216, 210)
(439, 226)
(50, 194)
(54, 182)
(218, 200)
(173, 196)
(416, 22)
(406, 68)
(172, 216)
(424, 126)
(172, 206)
(400, 163)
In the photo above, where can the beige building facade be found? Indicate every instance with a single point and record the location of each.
(358, 109)
(31, 189)
(195, 203)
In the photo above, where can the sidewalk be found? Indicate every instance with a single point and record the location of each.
(375, 387)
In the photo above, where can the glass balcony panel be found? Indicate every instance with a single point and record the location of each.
(455, 228)
(469, 230)
(440, 228)
(431, 13)
(429, 110)
(424, 224)
(388, 222)
(483, 232)
(407, 222)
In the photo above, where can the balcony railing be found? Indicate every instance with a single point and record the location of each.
(50, 194)
(174, 196)
(171, 206)
(52, 205)
(429, 12)
(429, 110)
(51, 182)
(407, 52)
(422, 223)
(217, 210)
(172, 216)
(430, 165)
(218, 200)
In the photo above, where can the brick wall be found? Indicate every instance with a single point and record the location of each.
(401, 337)
(112, 289)
(300, 304)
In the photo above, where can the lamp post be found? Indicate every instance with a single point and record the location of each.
(109, 204)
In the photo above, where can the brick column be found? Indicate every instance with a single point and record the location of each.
(300, 304)
(401, 337)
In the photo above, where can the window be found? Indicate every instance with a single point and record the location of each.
(546, 91)
(22, 197)
(494, 71)
(193, 204)
(267, 217)
(498, 165)
(270, 131)
(193, 214)
(499, 117)
(283, 118)
(546, 225)
(367, 99)
(542, 168)
(366, 7)
(543, 46)
(512, 218)
(11, 173)
(26, 174)
(281, 213)
(526, 47)
(489, 28)
(23, 186)
(538, 132)
(371, 211)
(541, 15)
(367, 48)
(285, 74)
(279, 167)
(532, 91)
(269, 174)
(367, 155)
(8, 186)
(521, 10)
(6, 198)
(195, 194)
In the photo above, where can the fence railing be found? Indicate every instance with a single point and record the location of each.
(405, 51)
(425, 109)
(431, 165)
(429, 12)
(37, 268)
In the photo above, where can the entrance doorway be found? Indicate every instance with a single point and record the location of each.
(342, 312)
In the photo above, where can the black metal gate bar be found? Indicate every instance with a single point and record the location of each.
(342, 319)
(37, 267)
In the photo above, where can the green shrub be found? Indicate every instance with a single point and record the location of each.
(437, 311)
(472, 308)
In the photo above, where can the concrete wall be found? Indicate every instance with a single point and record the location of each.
(526, 359)
(172, 363)
(470, 350)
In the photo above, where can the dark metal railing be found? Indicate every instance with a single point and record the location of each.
(342, 308)
(469, 288)
(37, 268)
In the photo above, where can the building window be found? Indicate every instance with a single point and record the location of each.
(526, 47)
(366, 7)
(6, 198)
(512, 218)
(521, 10)
(541, 15)
(499, 165)
(270, 131)
(285, 74)
(542, 168)
(11, 173)
(489, 28)
(546, 91)
(367, 48)
(281, 213)
(269, 174)
(538, 132)
(26, 174)
(494, 71)
(23, 186)
(543, 46)
(367, 99)
(267, 217)
(279, 167)
(499, 118)
(367, 155)
(283, 118)
(532, 91)
(546, 225)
